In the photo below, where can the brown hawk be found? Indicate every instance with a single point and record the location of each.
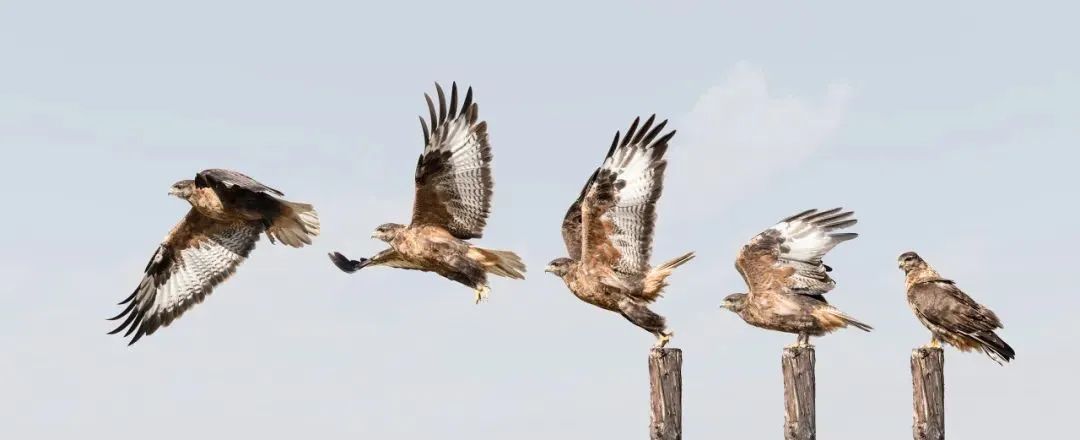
(950, 314)
(608, 231)
(228, 213)
(453, 200)
(787, 279)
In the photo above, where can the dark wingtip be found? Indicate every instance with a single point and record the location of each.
(346, 265)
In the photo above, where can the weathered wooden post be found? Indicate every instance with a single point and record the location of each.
(928, 382)
(665, 392)
(798, 363)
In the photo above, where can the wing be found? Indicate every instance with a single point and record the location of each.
(388, 257)
(619, 208)
(453, 175)
(787, 257)
(198, 254)
(226, 179)
(391, 258)
(571, 225)
(943, 304)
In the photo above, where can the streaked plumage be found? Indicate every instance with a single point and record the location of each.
(950, 314)
(229, 212)
(783, 269)
(608, 231)
(452, 203)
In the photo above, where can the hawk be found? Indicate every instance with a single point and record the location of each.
(452, 203)
(950, 314)
(608, 231)
(228, 213)
(782, 267)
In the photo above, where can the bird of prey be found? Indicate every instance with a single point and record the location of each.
(228, 213)
(787, 280)
(452, 203)
(950, 314)
(608, 231)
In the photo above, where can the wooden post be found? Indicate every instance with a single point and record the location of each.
(665, 392)
(928, 382)
(799, 388)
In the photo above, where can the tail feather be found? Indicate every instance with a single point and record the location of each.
(656, 279)
(502, 263)
(297, 224)
(995, 347)
(852, 321)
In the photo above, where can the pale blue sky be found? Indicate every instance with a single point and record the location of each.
(949, 128)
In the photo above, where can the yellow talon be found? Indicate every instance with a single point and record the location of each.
(482, 293)
(662, 340)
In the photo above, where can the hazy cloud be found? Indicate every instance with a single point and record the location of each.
(741, 132)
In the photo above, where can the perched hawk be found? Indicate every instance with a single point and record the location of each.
(453, 199)
(229, 211)
(608, 231)
(950, 314)
(782, 267)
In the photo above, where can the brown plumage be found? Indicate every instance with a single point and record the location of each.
(452, 203)
(787, 279)
(229, 211)
(608, 231)
(950, 314)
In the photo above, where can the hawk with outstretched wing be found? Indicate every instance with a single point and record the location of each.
(228, 213)
(608, 231)
(783, 268)
(453, 200)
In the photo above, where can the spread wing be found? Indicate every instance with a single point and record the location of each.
(391, 257)
(198, 254)
(227, 179)
(571, 225)
(943, 304)
(453, 175)
(619, 208)
(786, 258)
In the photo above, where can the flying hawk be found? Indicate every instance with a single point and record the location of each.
(950, 314)
(453, 200)
(608, 231)
(787, 280)
(228, 213)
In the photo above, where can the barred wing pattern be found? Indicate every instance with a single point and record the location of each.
(619, 209)
(787, 256)
(453, 175)
(197, 255)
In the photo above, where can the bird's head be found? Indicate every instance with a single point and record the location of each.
(559, 266)
(182, 189)
(910, 261)
(734, 302)
(387, 232)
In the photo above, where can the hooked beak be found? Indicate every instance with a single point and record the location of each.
(374, 235)
(549, 269)
(174, 192)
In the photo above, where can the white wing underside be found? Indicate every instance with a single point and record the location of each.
(633, 219)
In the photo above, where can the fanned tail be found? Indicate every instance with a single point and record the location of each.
(656, 280)
(502, 263)
(297, 224)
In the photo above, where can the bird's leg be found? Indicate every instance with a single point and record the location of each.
(804, 340)
(934, 342)
(481, 292)
(797, 343)
(663, 337)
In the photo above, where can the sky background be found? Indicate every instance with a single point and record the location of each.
(950, 129)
